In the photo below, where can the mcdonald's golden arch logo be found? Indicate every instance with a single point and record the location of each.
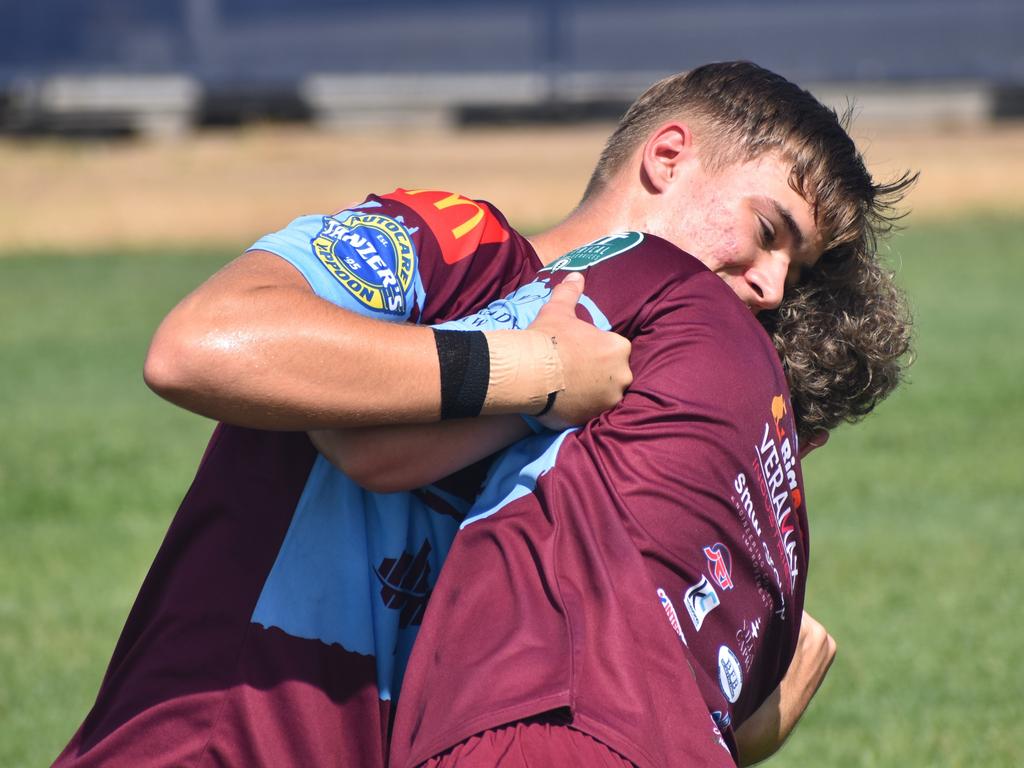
(459, 224)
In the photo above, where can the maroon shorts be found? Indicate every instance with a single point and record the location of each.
(539, 742)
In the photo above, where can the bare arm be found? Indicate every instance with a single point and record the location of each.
(405, 456)
(394, 458)
(255, 346)
(764, 732)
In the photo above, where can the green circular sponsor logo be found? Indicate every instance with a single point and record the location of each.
(590, 254)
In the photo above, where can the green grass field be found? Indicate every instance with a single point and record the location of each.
(916, 515)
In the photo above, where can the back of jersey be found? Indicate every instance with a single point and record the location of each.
(645, 571)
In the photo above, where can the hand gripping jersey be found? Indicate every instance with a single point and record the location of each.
(645, 572)
(274, 625)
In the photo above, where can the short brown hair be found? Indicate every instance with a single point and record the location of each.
(844, 334)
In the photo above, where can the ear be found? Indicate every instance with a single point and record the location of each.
(666, 154)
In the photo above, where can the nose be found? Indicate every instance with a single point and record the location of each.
(767, 280)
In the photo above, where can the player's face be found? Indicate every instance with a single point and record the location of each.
(748, 226)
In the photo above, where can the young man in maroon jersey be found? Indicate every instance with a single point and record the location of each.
(264, 367)
(555, 593)
(710, 223)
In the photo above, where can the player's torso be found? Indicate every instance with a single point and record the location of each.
(573, 584)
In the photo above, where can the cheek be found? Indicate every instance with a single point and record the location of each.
(720, 238)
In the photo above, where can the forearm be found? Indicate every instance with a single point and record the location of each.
(764, 732)
(402, 457)
(255, 347)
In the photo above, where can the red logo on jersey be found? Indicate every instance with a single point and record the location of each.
(460, 225)
(720, 564)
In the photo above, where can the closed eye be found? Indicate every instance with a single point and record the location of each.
(767, 233)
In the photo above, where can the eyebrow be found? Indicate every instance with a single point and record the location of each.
(787, 218)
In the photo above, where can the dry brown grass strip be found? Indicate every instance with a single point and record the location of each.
(228, 187)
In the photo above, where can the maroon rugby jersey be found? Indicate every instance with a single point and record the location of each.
(645, 572)
(194, 679)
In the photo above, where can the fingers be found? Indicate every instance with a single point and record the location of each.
(764, 732)
(566, 293)
(594, 363)
(816, 440)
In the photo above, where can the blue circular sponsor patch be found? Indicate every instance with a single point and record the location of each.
(372, 256)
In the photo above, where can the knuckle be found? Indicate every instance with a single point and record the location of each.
(817, 633)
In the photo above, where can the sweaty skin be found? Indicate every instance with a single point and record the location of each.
(249, 346)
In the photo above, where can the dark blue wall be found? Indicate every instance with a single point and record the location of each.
(267, 42)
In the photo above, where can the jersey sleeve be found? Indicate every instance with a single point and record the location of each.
(410, 255)
(363, 262)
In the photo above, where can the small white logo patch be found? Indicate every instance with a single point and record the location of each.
(730, 676)
(700, 600)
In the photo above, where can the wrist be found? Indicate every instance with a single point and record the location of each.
(525, 372)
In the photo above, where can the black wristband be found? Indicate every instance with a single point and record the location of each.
(465, 361)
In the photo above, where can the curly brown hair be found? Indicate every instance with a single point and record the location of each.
(844, 338)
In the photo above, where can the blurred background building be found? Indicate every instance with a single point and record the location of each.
(163, 66)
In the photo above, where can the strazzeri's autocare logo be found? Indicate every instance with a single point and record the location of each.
(777, 465)
(593, 253)
(372, 256)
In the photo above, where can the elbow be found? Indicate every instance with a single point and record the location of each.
(375, 476)
(172, 367)
(381, 482)
(162, 370)
(357, 457)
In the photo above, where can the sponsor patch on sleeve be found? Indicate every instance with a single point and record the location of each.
(586, 256)
(459, 224)
(372, 256)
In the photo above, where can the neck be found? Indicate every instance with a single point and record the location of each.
(601, 215)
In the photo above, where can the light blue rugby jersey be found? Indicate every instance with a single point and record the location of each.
(356, 568)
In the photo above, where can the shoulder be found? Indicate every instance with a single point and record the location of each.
(468, 254)
(460, 224)
(698, 339)
(651, 291)
(627, 275)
